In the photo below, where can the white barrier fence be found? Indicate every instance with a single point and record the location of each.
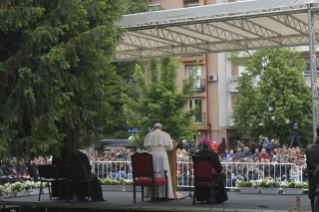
(232, 171)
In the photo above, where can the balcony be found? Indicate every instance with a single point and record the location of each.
(200, 118)
(199, 85)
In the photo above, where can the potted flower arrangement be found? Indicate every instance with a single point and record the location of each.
(27, 186)
(129, 185)
(7, 191)
(294, 187)
(45, 188)
(19, 190)
(247, 187)
(268, 186)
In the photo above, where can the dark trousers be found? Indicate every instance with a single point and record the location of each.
(311, 193)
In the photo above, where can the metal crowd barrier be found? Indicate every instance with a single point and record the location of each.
(185, 173)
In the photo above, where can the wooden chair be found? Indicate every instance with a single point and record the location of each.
(206, 176)
(144, 175)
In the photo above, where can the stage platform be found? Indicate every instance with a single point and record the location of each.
(123, 201)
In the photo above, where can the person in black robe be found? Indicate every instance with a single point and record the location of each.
(33, 170)
(312, 163)
(80, 158)
(218, 167)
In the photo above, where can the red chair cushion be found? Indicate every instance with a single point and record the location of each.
(147, 181)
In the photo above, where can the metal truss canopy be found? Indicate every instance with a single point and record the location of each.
(216, 28)
(237, 26)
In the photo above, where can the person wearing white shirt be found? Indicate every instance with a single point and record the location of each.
(157, 143)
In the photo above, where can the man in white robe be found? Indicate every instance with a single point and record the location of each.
(157, 143)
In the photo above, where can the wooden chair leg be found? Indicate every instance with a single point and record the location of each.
(211, 194)
(40, 190)
(142, 193)
(166, 193)
(154, 194)
(134, 193)
(194, 195)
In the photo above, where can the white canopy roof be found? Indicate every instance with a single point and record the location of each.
(216, 28)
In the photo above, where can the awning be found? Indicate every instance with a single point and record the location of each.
(216, 28)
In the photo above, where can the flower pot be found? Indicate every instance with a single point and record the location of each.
(249, 190)
(21, 193)
(45, 190)
(104, 187)
(296, 191)
(31, 192)
(11, 194)
(36, 191)
(269, 190)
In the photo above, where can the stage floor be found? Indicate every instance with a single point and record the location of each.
(124, 201)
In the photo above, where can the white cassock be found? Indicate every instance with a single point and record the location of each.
(157, 142)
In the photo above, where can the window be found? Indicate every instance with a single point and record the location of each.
(241, 70)
(199, 84)
(191, 3)
(152, 7)
(199, 115)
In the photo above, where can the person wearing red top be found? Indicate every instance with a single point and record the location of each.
(214, 146)
(263, 155)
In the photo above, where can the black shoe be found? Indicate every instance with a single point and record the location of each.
(101, 199)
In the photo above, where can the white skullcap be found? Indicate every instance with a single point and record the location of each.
(157, 125)
(184, 141)
(214, 142)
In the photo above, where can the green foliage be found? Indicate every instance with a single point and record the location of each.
(242, 183)
(135, 6)
(55, 77)
(159, 101)
(116, 126)
(280, 98)
(267, 184)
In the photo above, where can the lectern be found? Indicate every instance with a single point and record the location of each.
(173, 167)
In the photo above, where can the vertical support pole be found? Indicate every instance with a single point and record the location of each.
(313, 71)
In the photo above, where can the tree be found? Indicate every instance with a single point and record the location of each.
(159, 101)
(116, 126)
(55, 77)
(280, 98)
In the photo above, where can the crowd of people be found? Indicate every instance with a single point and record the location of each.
(251, 161)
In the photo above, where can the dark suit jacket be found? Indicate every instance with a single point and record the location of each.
(33, 171)
(215, 158)
(79, 158)
(8, 170)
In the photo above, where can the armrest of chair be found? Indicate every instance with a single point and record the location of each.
(165, 173)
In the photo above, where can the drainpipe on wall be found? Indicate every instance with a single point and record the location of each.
(207, 92)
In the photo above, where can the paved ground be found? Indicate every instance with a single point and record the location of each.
(124, 201)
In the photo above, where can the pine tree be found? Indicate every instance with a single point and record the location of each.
(280, 99)
(55, 76)
(159, 101)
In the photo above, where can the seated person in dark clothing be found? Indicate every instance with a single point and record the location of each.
(5, 179)
(80, 158)
(11, 171)
(218, 167)
(33, 170)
